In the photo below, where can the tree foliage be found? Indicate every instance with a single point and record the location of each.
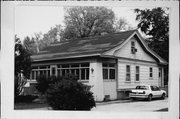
(30, 44)
(90, 21)
(155, 23)
(22, 66)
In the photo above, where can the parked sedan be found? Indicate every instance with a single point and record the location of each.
(147, 92)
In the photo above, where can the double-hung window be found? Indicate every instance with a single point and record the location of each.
(137, 73)
(109, 71)
(128, 73)
(150, 72)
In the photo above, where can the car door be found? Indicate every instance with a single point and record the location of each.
(153, 91)
(158, 91)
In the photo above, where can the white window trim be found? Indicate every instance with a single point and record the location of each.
(108, 68)
(129, 73)
(150, 73)
(79, 67)
(137, 73)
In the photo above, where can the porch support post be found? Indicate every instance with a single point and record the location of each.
(96, 80)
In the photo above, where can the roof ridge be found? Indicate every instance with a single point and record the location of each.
(108, 34)
(97, 36)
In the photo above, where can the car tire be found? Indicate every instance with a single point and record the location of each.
(163, 96)
(133, 99)
(149, 97)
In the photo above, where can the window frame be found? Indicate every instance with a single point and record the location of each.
(137, 73)
(128, 73)
(108, 67)
(77, 67)
(133, 46)
(35, 72)
(150, 72)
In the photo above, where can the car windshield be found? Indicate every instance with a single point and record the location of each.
(142, 87)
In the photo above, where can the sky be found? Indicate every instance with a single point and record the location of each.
(34, 19)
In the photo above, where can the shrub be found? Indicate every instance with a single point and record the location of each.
(68, 94)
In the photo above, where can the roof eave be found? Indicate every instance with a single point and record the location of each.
(69, 57)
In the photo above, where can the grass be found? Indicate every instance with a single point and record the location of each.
(19, 106)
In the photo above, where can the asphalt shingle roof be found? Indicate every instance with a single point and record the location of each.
(84, 46)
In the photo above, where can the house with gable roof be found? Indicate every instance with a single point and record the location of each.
(111, 63)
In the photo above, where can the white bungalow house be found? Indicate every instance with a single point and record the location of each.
(111, 63)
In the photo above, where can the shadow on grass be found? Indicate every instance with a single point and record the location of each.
(21, 106)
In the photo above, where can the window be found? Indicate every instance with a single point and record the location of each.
(133, 49)
(109, 72)
(79, 70)
(137, 73)
(150, 72)
(160, 74)
(39, 71)
(132, 44)
(128, 73)
(154, 88)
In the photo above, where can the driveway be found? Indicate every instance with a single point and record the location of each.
(134, 106)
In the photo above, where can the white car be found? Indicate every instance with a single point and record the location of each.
(147, 92)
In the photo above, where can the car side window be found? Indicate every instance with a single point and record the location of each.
(152, 88)
(156, 88)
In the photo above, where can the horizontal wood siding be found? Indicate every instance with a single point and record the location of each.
(110, 89)
(125, 52)
(144, 75)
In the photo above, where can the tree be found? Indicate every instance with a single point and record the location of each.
(155, 23)
(22, 66)
(30, 44)
(53, 35)
(89, 21)
(121, 24)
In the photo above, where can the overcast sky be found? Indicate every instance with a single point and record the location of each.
(35, 19)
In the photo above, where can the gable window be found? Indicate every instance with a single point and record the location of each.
(133, 48)
(150, 72)
(137, 73)
(109, 72)
(128, 73)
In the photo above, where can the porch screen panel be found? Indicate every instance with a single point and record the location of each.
(81, 70)
(43, 70)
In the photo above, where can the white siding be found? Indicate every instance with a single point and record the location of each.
(125, 52)
(144, 74)
(110, 89)
(96, 80)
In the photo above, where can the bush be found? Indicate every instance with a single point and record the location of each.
(25, 98)
(43, 83)
(67, 93)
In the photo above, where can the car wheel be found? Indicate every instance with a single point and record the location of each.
(149, 97)
(133, 99)
(163, 96)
